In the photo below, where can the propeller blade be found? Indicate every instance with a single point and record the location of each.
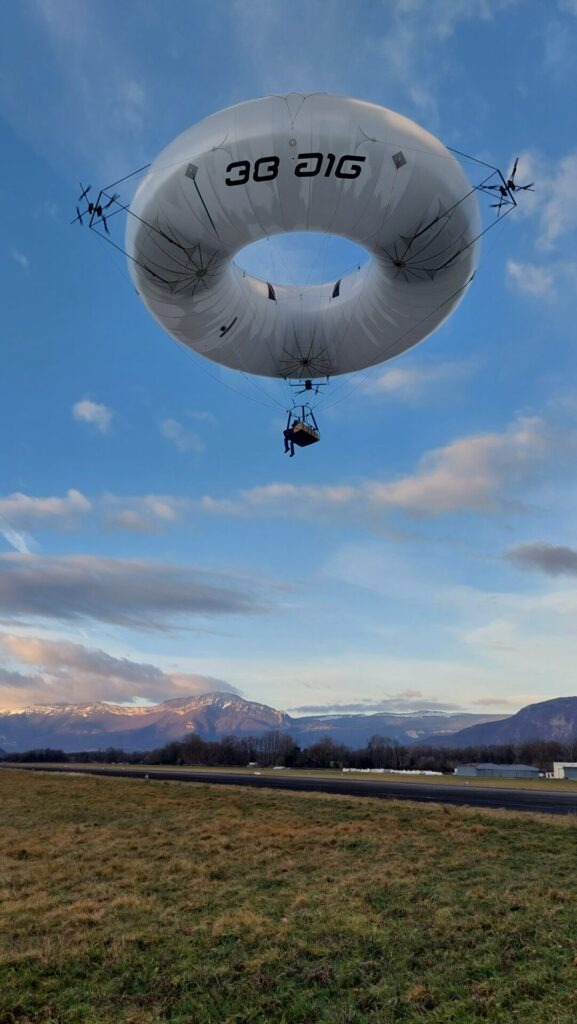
(514, 171)
(112, 200)
(84, 191)
(78, 215)
(525, 188)
(103, 219)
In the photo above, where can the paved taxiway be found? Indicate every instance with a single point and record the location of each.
(506, 799)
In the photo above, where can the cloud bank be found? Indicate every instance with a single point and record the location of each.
(472, 474)
(478, 473)
(134, 594)
(403, 702)
(551, 559)
(21, 510)
(72, 673)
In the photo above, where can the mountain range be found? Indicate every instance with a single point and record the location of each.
(96, 726)
(76, 727)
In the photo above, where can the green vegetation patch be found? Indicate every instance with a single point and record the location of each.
(133, 902)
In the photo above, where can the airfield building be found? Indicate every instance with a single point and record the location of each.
(565, 769)
(498, 771)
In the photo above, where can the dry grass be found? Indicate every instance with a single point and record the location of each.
(126, 902)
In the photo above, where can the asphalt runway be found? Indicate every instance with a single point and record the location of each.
(470, 796)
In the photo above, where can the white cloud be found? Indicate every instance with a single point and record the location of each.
(185, 440)
(405, 53)
(132, 520)
(528, 640)
(418, 30)
(22, 510)
(400, 49)
(470, 473)
(100, 416)
(531, 280)
(162, 508)
(19, 541)
(414, 383)
(143, 514)
(147, 513)
(553, 203)
(48, 208)
(293, 500)
(549, 281)
(22, 260)
(132, 102)
(67, 20)
(101, 78)
(559, 50)
(201, 415)
(445, 15)
(18, 510)
(559, 211)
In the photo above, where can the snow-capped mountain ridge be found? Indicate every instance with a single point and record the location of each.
(95, 707)
(97, 725)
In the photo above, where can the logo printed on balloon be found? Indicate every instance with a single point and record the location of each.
(267, 167)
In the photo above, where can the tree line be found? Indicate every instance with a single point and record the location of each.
(275, 749)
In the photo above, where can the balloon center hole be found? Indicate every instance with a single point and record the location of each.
(302, 258)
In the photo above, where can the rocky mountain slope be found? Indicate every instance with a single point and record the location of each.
(549, 720)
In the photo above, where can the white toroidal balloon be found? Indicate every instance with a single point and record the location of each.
(303, 163)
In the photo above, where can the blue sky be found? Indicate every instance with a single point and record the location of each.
(154, 540)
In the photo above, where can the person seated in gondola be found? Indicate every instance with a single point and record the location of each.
(302, 432)
(288, 434)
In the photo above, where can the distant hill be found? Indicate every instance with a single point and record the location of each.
(356, 730)
(549, 720)
(214, 715)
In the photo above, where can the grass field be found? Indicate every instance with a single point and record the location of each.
(131, 903)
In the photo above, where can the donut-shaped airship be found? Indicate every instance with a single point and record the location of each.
(316, 163)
